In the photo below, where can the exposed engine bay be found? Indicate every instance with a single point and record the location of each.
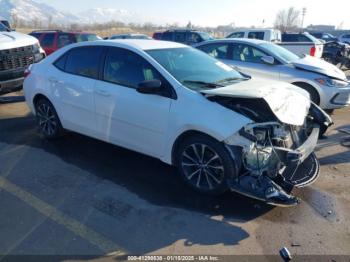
(273, 156)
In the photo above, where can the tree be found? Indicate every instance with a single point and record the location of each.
(287, 19)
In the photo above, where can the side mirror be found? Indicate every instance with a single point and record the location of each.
(268, 60)
(150, 87)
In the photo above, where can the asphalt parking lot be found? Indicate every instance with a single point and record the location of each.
(80, 196)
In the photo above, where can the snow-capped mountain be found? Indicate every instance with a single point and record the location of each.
(30, 11)
(103, 15)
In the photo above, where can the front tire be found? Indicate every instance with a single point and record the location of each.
(205, 164)
(48, 122)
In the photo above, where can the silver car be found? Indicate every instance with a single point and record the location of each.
(327, 85)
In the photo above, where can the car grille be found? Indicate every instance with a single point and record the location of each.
(16, 58)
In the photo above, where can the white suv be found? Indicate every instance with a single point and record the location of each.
(173, 102)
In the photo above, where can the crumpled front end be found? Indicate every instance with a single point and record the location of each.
(275, 156)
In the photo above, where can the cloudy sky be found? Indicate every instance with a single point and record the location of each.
(219, 12)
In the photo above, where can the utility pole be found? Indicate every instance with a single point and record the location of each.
(303, 17)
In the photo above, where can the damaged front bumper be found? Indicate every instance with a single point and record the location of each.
(275, 157)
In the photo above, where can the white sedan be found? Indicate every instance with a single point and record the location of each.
(173, 102)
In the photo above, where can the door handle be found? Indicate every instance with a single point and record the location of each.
(55, 81)
(102, 92)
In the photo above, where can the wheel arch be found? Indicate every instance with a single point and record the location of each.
(37, 98)
(306, 85)
(181, 138)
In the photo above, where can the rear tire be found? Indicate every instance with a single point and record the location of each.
(205, 164)
(48, 122)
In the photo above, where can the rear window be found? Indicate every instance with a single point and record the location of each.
(256, 35)
(84, 61)
(295, 38)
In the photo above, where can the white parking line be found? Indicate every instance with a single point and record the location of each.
(68, 222)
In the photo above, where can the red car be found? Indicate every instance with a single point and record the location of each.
(52, 40)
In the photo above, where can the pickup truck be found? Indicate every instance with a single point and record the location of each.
(298, 43)
(17, 52)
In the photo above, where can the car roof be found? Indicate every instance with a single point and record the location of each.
(236, 40)
(140, 44)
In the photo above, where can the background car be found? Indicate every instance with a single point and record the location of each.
(270, 35)
(337, 53)
(177, 104)
(188, 37)
(327, 85)
(324, 36)
(17, 52)
(296, 43)
(52, 40)
(344, 38)
(130, 36)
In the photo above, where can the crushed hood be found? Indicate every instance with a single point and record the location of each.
(319, 66)
(289, 103)
(13, 40)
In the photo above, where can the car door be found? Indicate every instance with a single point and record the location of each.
(247, 59)
(73, 86)
(123, 115)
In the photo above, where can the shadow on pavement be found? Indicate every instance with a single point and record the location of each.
(150, 180)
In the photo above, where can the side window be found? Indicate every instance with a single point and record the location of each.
(64, 39)
(219, 51)
(180, 37)
(84, 61)
(194, 38)
(256, 35)
(47, 40)
(167, 36)
(126, 68)
(246, 53)
(60, 63)
(236, 35)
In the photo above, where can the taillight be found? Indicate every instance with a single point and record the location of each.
(27, 71)
(313, 51)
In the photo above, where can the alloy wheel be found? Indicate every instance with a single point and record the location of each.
(202, 166)
(47, 120)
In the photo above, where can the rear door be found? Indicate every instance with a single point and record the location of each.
(73, 84)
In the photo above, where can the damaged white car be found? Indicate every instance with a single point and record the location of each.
(222, 130)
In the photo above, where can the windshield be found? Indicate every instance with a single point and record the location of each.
(194, 68)
(3, 28)
(283, 54)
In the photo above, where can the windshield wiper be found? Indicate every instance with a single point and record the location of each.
(231, 79)
(207, 84)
